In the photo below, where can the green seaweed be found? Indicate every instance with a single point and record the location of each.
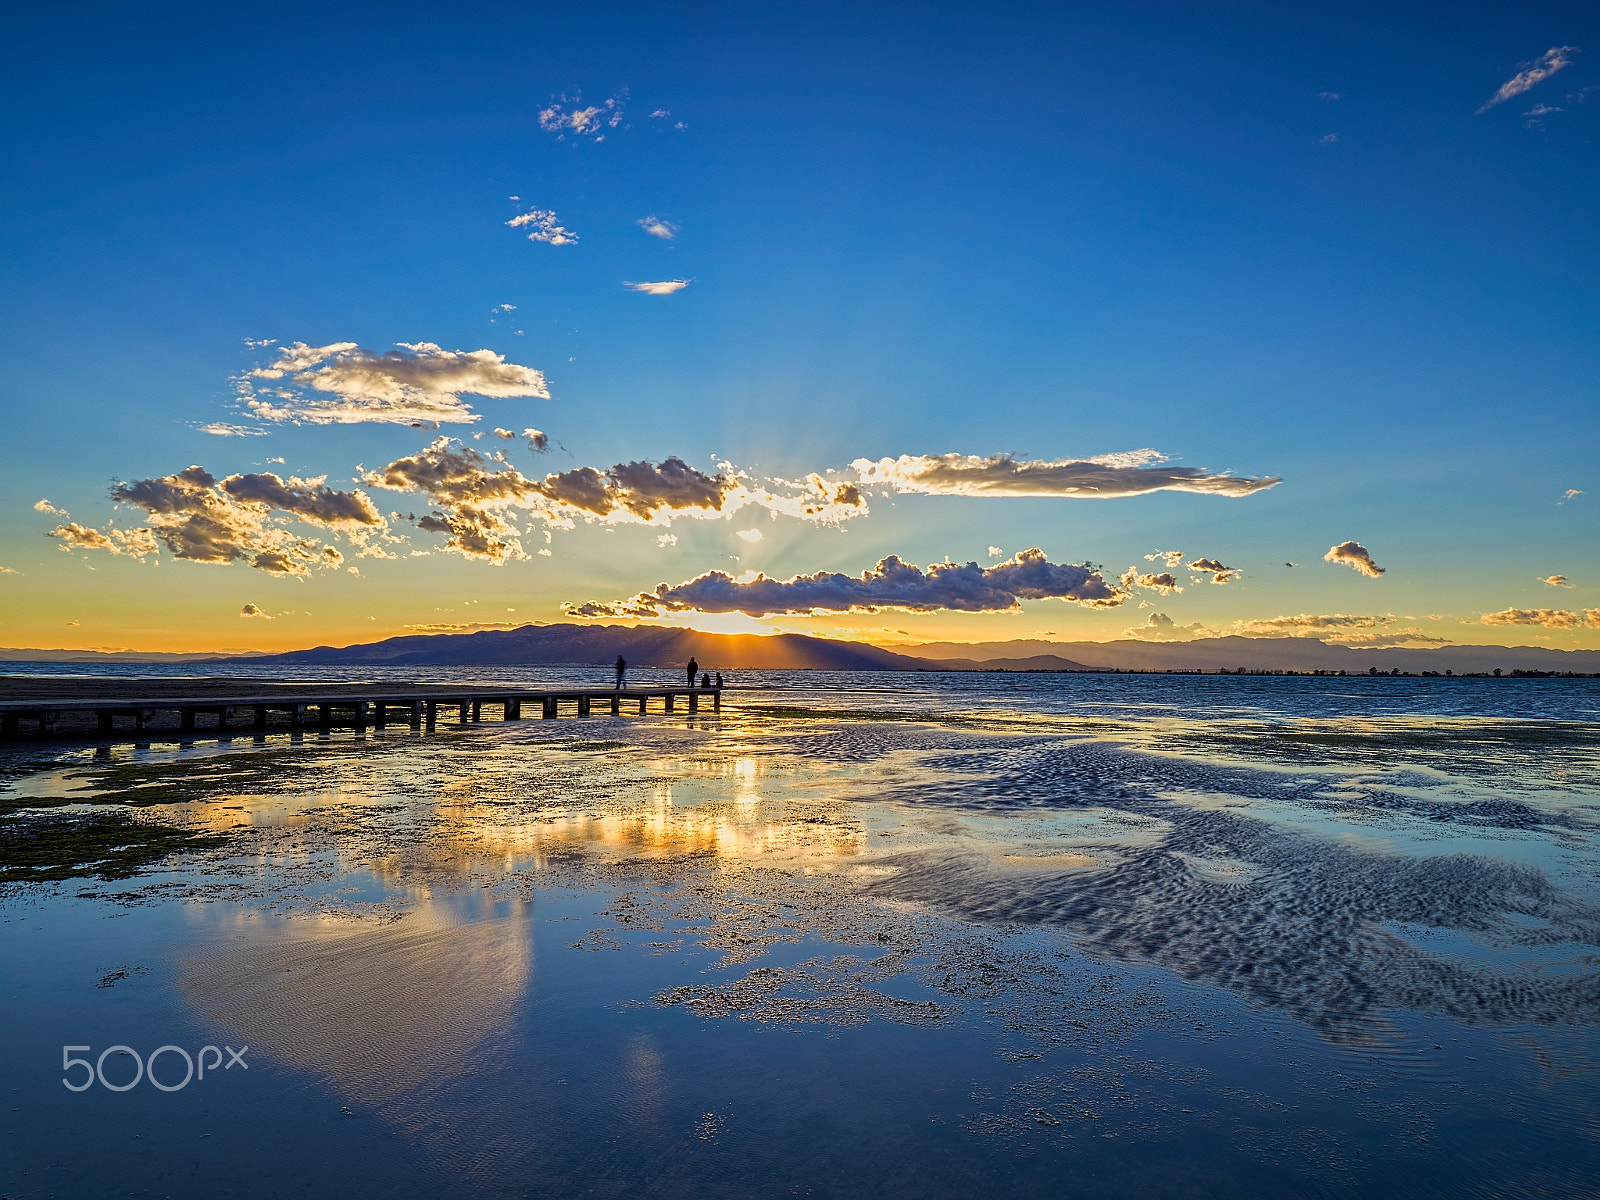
(104, 845)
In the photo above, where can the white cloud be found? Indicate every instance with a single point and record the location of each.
(1159, 627)
(658, 227)
(9, 571)
(477, 496)
(1548, 618)
(544, 226)
(1531, 75)
(135, 543)
(1355, 556)
(1127, 474)
(1329, 96)
(416, 384)
(462, 627)
(568, 116)
(1340, 628)
(749, 535)
(667, 539)
(201, 519)
(1569, 494)
(538, 441)
(1555, 581)
(1166, 583)
(892, 584)
(1170, 558)
(223, 429)
(663, 287)
(43, 505)
(1219, 573)
(1328, 139)
(996, 552)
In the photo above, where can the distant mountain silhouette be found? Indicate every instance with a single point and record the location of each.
(1035, 662)
(599, 645)
(1256, 654)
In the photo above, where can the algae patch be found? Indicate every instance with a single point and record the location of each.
(38, 849)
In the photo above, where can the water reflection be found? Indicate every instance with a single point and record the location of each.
(390, 1015)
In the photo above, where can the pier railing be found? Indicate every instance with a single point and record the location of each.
(212, 714)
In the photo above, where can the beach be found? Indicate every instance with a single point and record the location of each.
(877, 934)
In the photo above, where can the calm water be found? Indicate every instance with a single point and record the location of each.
(890, 935)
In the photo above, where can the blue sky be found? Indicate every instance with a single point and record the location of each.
(1265, 243)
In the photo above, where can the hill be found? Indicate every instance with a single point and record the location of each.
(1262, 654)
(598, 645)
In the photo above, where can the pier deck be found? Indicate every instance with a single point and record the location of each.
(136, 717)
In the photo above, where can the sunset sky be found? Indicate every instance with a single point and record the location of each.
(323, 325)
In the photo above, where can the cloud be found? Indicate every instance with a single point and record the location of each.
(250, 610)
(569, 116)
(418, 383)
(1569, 494)
(1127, 474)
(892, 584)
(667, 539)
(135, 543)
(1555, 581)
(309, 499)
(9, 571)
(504, 308)
(1159, 627)
(223, 429)
(1340, 628)
(656, 227)
(1328, 139)
(1549, 618)
(544, 226)
(43, 505)
(464, 627)
(1531, 75)
(505, 435)
(1166, 583)
(664, 287)
(1219, 573)
(477, 495)
(996, 552)
(1329, 96)
(202, 520)
(749, 535)
(538, 441)
(1355, 556)
(1170, 558)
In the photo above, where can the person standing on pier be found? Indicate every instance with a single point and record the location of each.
(694, 669)
(622, 670)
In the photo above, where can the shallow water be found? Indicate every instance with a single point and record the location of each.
(881, 934)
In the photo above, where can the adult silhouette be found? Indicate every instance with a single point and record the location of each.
(693, 669)
(622, 670)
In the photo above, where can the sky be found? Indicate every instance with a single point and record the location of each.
(324, 324)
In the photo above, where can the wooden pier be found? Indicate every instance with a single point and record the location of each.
(139, 718)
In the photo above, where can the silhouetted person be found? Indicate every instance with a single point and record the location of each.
(622, 670)
(719, 681)
(705, 681)
(694, 669)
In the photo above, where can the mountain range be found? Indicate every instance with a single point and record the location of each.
(657, 646)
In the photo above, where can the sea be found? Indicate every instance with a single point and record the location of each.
(856, 934)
